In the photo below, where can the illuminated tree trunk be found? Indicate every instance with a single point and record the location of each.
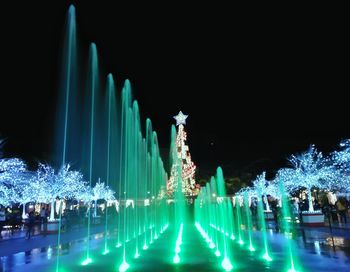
(95, 210)
(311, 207)
(267, 203)
(24, 210)
(52, 212)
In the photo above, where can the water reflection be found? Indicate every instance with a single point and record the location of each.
(41, 255)
(325, 249)
(323, 243)
(317, 247)
(49, 253)
(335, 241)
(27, 256)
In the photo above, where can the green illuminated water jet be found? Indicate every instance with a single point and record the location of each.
(104, 138)
(262, 227)
(106, 142)
(92, 90)
(68, 88)
(226, 264)
(248, 217)
(287, 227)
(231, 220)
(239, 219)
(212, 201)
(215, 208)
(112, 149)
(125, 153)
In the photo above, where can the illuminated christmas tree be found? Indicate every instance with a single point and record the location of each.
(182, 162)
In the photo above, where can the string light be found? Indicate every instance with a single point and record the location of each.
(183, 169)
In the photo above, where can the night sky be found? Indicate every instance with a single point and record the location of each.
(257, 86)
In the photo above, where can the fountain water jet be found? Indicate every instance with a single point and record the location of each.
(248, 217)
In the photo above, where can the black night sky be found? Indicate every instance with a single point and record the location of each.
(257, 86)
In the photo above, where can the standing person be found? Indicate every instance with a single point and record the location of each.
(253, 208)
(275, 212)
(295, 209)
(326, 210)
(42, 215)
(304, 205)
(334, 213)
(316, 205)
(30, 224)
(43, 220)
(2, 219)
(347, 205)
(341, 208)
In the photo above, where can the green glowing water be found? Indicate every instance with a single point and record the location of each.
(248, 217)
(287, 227)
(239, 220)
(103, 135)
(211, 213)
(262, 227)
(68, 79)
(100, 132)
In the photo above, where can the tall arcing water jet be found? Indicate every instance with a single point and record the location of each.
(67, 121)
(99, 132)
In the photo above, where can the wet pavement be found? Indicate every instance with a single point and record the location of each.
(316, 248)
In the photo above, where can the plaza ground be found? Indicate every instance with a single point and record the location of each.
(319, 249)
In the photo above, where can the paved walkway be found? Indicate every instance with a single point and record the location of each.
(339, 225)
(17, 242)
(18, 233)
(195, 255)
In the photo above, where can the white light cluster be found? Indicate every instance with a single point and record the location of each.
(18, 185)
(183, 169)
(180, 118)
(310, 170)
(12, 170)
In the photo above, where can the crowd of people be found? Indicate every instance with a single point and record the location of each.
(334, 212)
(38, 221)
(337, 212)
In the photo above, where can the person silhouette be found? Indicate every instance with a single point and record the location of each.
(30, 225)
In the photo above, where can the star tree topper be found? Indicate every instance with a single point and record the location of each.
(180, 118)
